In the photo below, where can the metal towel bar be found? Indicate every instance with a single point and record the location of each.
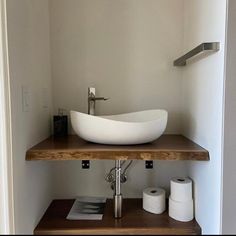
(213, 46)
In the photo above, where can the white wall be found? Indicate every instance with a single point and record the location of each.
(203, 82)
(229, 164)
(126, 50)
(28, 32)
(6, 172)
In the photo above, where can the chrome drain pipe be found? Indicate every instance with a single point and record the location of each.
(117, 191)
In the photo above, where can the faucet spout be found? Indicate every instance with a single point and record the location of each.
(97, 98)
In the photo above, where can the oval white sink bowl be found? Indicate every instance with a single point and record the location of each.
(124, 129)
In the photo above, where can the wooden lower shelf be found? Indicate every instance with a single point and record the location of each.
(135, 221)
(167, 147)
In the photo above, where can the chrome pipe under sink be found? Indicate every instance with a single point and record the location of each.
(117, 191)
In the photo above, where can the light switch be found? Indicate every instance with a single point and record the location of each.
(25, 99)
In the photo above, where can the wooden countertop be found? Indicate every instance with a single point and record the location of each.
(167, 147)
(135, 221)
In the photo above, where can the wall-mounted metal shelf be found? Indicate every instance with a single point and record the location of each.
(213, 47)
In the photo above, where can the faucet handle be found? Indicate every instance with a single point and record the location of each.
(91, 92)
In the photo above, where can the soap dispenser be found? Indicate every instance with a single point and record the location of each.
(60, 124)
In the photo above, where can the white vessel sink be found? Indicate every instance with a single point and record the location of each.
(124, 129)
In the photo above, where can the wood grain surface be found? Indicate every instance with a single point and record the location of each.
(167, 147)
(135, 221)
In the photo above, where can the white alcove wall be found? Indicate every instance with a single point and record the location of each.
(229, 162)
(29, 62)
(203, 97)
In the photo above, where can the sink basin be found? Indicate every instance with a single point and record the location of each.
(124, 129)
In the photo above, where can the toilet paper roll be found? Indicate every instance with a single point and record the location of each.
(181, 211)
(154, 200)
(181, 189)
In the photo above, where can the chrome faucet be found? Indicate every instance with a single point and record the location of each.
(92, 100)
(117, 190)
